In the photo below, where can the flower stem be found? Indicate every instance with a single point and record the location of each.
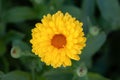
(33, 72)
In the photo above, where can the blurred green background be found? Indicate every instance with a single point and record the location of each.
(100, 59)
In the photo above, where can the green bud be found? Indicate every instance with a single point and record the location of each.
(94, 30)
(16, 52)
(81, 70)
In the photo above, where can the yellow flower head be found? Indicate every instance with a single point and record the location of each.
(58, 39)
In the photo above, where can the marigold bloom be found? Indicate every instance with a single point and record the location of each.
(58, 39)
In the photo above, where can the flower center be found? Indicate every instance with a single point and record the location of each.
(58, 41)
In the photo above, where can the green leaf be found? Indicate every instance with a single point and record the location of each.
(40, 78)
(16, 75)
(42, 10)
(1, 74)
(0, 7)
(19, 75)
(57, 3)
(80, 78)
(23, 45)
(13, 35)
(74, 11)
(110, 11)
(32, 62)
(2, 29)
(18, 14)
(95, 76)
(94, 43)
(2, 47)
(58, 75)
(88, 7)
(37, 2)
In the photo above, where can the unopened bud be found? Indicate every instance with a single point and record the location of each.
(94, 30)
(81, 71)
(16, 52)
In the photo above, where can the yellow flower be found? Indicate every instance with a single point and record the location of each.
(58, 39)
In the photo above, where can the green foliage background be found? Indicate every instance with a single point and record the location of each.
(99, 60)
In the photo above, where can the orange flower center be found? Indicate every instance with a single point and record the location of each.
(58, 41)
